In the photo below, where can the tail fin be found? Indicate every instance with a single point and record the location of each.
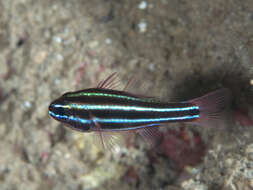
(212, 107)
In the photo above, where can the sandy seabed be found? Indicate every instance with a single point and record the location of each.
(179, 49)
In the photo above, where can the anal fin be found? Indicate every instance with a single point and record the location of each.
(150, 134)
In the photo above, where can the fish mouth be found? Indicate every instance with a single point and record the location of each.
(59, 116)
(50, 108)
(51, 111)
(56, 110)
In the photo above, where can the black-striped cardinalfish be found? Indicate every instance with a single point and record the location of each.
(109, 112)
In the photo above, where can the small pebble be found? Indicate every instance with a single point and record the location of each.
(27, 104)
(108, 41)
(143, 5)
(58, 39)
(151, 67)
(251, 82)
(93, 44)
(95, 61)
(59, 57)
(67, 156)
(57, 81)
(142, 26)
(40, 57)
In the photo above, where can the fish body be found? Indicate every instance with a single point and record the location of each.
(104, 109)
(118, 110)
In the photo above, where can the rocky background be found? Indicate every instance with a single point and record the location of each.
(178, 49)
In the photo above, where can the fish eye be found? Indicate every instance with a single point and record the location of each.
(56, 109)
(59, 110)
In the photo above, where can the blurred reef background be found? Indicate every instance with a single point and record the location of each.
(178, 49)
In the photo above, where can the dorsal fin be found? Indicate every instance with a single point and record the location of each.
(111, 82)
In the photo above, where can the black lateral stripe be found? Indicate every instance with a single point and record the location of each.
(130, 114)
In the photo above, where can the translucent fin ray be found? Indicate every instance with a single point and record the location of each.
(213, 107)
(111, 82)
(150, 134)
(108, 140)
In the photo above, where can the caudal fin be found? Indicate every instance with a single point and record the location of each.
(212, 107)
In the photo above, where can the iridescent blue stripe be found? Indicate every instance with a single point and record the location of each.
(118, 120)
(124, 108)
(58, 116)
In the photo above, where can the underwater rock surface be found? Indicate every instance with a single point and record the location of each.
(178, 50)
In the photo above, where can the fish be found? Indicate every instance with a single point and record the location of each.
(110, 112)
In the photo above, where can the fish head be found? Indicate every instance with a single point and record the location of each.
(61, 110)
(58, 110)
